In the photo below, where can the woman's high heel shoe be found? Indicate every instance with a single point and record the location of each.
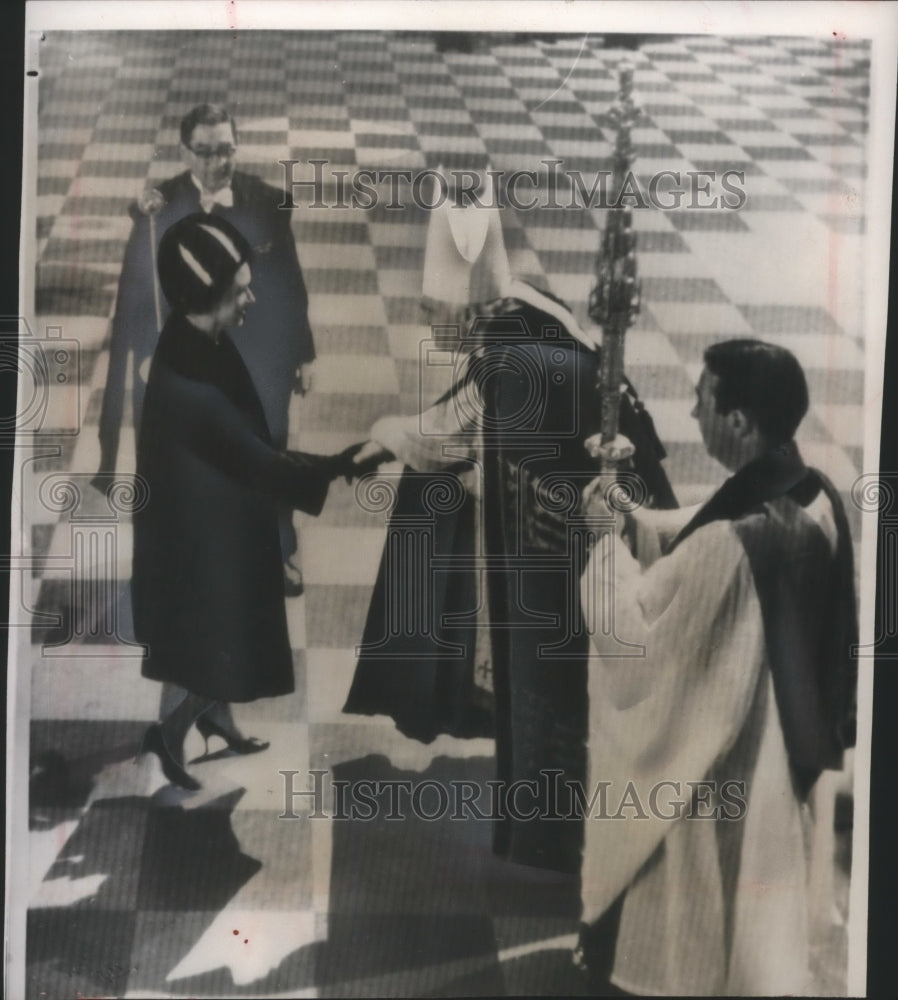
(153, 742)
(237, 744)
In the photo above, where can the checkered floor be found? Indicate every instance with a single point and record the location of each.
(217, 896)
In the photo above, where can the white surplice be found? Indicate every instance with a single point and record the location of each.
(713, 905)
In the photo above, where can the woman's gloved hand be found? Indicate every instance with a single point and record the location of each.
(354, 461)
(361, 458)
(370, 456)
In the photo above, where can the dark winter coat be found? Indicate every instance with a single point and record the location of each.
(208, 588)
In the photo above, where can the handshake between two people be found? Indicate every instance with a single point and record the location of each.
(353, 462)
(366, 456)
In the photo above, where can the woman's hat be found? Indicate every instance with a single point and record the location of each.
(198, 258)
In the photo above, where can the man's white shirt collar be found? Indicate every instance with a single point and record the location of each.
(224, 196)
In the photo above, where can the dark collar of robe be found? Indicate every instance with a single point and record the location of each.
(807, 598)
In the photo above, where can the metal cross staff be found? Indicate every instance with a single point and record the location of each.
(614, 300)
(613, 304)
(150, 203)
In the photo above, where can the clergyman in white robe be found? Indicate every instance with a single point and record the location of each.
(703, 751)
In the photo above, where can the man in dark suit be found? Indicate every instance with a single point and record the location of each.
(275, 343)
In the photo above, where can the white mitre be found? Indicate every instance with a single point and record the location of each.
(465, 259)
(466, 262)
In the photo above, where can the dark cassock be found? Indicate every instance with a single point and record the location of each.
(504, 652)
(274, 340)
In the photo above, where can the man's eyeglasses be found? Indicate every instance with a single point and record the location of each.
(224, 152)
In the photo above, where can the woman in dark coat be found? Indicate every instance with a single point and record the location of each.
(208, 585)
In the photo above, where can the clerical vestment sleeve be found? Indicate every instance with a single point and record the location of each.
(442, 435)
(670, 713)
(650, 532)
